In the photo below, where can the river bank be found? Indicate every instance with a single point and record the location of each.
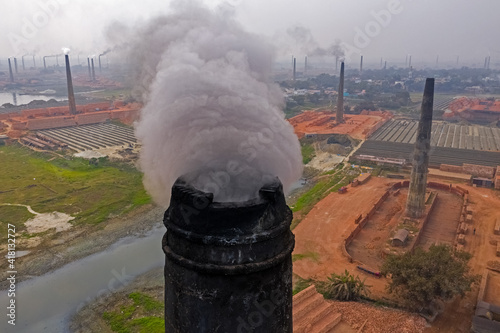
(66, 247)
(90, 318)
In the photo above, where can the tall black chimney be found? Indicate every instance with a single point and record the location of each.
(100, 68)
(294, 68)
(361, 65)
(228, 265)
(415, 203)
(15, 65)
(71, 94)
(10, 72)
(340, 97)
(93, 69)
(22, 61)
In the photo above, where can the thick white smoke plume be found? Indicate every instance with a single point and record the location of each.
(211, 110)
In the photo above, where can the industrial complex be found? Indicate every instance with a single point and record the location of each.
(435, 192)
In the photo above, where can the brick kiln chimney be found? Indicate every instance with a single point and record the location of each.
(11, 74)
(415, 204)
(228, 265)
(294, 69)
(90, 72)
(361, 65)
(340, 96)
(71, 94)
(93, 69)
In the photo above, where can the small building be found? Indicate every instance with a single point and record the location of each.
(400, 237)
(363, 178)
(482, 182)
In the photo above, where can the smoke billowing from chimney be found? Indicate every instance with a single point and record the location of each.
(211, 110)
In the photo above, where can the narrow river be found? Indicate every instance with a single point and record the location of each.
(16, 99)
(46, 303)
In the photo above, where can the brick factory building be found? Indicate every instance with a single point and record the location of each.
(473, 109)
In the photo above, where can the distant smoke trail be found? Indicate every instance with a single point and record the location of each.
(303, 39)
(211, 110)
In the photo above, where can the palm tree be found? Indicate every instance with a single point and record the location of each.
(345, 287)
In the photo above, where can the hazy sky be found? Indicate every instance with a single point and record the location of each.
(376, 28)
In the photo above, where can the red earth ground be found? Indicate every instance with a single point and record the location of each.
(323, 122)
(323, 230)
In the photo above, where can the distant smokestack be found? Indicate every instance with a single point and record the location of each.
(294, 69)
(90, 71)
(361, 65)
(44, 62)
(15, 65)
(100, 67)
(93, 69)
(336, 63)
(228, 265)
(415, 204)
(381, 63)
(22, 61)
(486, 63)
(489, 60)
(340, 97)
(305, 65)
(406, 61)
(437, 60)
(34, 63)
(10, 72)
(385, 65)
(409, 64)
(71, 94)
(57, 60)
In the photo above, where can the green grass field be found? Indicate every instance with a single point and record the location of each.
(144, 315)
(308, 153)
(50, 183)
